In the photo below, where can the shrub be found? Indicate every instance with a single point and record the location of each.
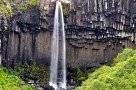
(81, 76)
(34, 72)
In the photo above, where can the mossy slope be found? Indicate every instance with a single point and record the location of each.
(9, 81)
(120, 76)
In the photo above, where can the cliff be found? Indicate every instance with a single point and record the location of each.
(96, 31)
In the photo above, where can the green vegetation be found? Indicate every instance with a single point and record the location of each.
(5, 7)
(10, 81)
(9, 7)
(66, 9)
(126, 54)
(120, 76)
(28, 4)
(81, 76)
(34, 72)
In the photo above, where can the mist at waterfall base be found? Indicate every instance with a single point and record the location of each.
(58, 55)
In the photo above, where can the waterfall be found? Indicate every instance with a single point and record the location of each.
(58, 54)
(95, 5)
(88, 6)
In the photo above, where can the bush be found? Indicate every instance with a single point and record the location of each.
(81, 76)
(10, 81)
(34, 72)
(120, 76)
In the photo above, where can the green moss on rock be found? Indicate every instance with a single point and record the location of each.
(27, 5)
(5, 8)
(34, 72)
(66, 9)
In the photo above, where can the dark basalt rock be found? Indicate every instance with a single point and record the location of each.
(95, 34)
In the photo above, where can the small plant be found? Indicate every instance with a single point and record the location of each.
(81, 76)
(66, 9)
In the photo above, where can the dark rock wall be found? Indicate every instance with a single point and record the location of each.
(43, 47)
(3, 34)
(28, 40)
(95, 34)
(96, 53)
(101, 29)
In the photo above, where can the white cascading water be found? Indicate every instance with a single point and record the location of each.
(88, 6)
(58, 30)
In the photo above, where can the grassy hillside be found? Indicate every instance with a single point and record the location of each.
(9, 81)
(120, 76)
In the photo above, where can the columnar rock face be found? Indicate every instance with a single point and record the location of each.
(3, 39)
(0, 41)
(96, 31)
(29, 40)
